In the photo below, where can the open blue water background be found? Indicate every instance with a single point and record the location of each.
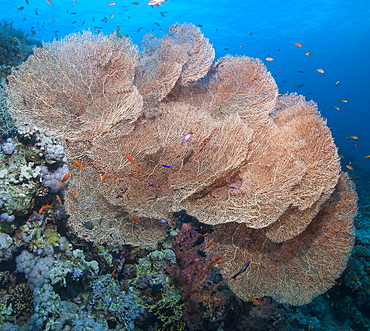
(337, 33)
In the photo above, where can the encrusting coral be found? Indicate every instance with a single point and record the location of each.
(162, 129)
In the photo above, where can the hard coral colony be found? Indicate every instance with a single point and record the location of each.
(261, 168)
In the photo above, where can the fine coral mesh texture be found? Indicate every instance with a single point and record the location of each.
(170, 171)
(111, 224)
(80, 85)
(183, 56)
(299, 269)
(261, 166)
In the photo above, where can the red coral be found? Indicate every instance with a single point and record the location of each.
(200, 292)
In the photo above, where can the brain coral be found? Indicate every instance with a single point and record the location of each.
(260, 167)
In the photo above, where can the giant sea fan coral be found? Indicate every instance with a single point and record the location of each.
(267, 165)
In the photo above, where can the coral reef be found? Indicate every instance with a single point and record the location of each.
(201, 298)
(161, 129)
(155, 290)
(6, 122)
(15, 47)
(298, 269)
(121, 306)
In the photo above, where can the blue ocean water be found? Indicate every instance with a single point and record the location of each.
(335, 32)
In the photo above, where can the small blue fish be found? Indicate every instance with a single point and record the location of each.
(166, 166)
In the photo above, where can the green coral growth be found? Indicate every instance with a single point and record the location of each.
(6, 121)
(15, 46)
(19, 180)
(165, 304)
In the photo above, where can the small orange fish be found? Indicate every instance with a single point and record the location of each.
(43, 208)
(270, 58)
(49, 2)
(27, 78)
(135, 219)
(75, 193)
(113, 273)
(308, 53)
(111, 3)
(354, 178)
(114, 179)
(103, 177)
(351, 137)
(336, 107)
(298, 44)
(355, 278)
(53, 19)
(198, 267)
(138, 170)
(330, 323)
(135, 251)
(355, 289)
(344, 100)
(205, 234)
(130, 158)
(320, 70)
(59, 200)
(210, 243)
(65, 177)
(367, 157)
(217, 258)
(255, 301)
(78, 164)
(348, 166)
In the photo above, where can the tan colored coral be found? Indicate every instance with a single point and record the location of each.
(301, 124)
(169, 170)
(200, 53)
(291, 168)
(110, 224)
(296, 270)
(159, 68)
(182, 56)
(262, 168)
(80, 85)
(234, 84)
